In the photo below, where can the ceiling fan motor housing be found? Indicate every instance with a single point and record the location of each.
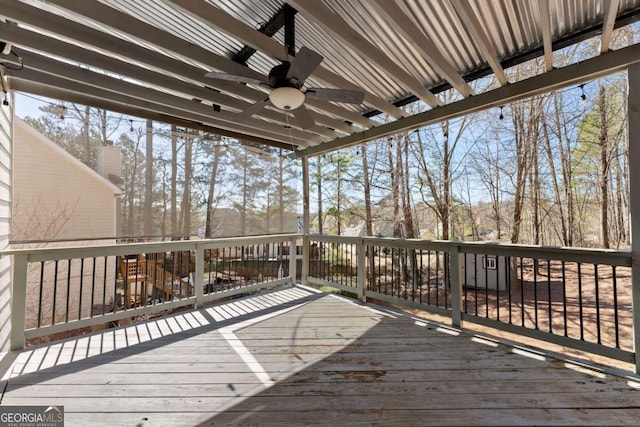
(278, 76)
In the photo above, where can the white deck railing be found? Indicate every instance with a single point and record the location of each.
(580, 298)
(61, 289)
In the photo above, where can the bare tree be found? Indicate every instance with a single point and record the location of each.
(148, 186)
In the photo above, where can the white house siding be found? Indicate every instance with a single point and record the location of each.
(57, 197)
(6, 128)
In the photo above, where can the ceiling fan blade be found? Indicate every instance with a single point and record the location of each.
(303, 65)
(253, 109)
(335, 95)
(233, 78)
(303, 117)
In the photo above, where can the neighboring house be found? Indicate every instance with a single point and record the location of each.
(57, 197)
(358, 230)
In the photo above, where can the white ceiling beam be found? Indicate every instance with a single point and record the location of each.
(186, 106)
(21, 37)
(251, 37)
(545, 26)
(52, 92)
(575, 74)
(319, 13)
(419, 41)
(479, 37)
(609, 21)
(161, 108)
(141, 30)
(111, 45)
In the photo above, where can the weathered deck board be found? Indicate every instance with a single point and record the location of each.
(301, 358)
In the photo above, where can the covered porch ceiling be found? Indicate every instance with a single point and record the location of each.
(148, 58)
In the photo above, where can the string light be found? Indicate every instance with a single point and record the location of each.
(6, 99)
(501, 117)
(131, 127)
(63, 109)
(583, 96)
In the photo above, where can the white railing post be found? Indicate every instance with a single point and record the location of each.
(19, 301)
(361, 260)
(304, 274)
(199, 277)
(456, 285)
(306, 257)
(634, 204)
(293, 259)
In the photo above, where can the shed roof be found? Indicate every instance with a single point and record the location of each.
(149, 58)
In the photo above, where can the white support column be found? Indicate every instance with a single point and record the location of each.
(293, 260)
(361, 262)
(305, 222)
(19, 301)
(634, 199)
(6, 189)
(199, 277)
(456, 285)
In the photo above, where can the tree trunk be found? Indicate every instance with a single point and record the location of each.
(604, 171)
(446, 183)
(85, 135)
(208, 232)
(368, 217)
(148, 182)
(395, 192)
(185, 208)
(280, 193)
(320, 213)
(174, 183)
(556, 186)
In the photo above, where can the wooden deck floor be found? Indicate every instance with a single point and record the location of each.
(295, 357)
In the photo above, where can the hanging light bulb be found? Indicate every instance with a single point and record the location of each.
(6, 99)
(131, 128)
(583, 96)
(63, 109)
(501, 116)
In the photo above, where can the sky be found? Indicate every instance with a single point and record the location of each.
(28, 105)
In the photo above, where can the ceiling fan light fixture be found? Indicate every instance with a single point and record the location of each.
(286, 98)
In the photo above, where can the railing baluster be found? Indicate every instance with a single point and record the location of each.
(55, 293)
(66, 313)
(615, 305)
(115, 283)
(534, 262)
(597, 291)
(507, 277)
(581, 318)
(80, 290)
(475, 282)
(41, 293)
(522, 317)
(564, 299)
(549, 295)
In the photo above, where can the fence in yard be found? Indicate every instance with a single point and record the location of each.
(580, 298)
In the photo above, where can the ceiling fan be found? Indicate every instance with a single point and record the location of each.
(286, 81)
